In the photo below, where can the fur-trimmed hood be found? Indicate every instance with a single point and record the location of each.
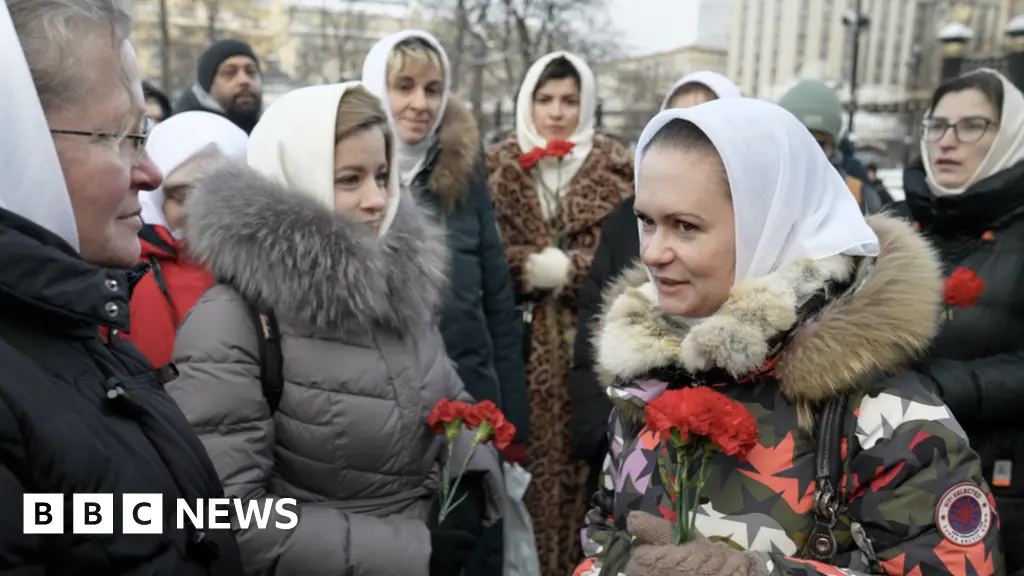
(888, 316)
(286, 250)
(458, 151)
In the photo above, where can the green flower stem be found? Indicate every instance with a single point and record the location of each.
(682, 485)
(448, 493)
(702, 478)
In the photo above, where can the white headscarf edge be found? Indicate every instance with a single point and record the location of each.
(293, 144)
(178, 139)
(31, 179)
(375, 77)
(808, 213)
(719, 84)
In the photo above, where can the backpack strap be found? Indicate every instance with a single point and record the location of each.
(271, 355)
(828, 469)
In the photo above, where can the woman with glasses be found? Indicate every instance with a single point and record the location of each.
(967, 196)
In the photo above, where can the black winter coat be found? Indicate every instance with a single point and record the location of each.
(617, 251)
(82, 414)
(482, 330)
(977, 361)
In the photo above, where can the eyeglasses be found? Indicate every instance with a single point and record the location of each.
(966, 130)
(138, 140)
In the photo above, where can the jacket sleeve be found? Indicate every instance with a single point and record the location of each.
(982, 390)
(219, 390)
(484, 458)
(503, 321)
(20, 553)
(590, 405)
(603, 542)
(915, 487)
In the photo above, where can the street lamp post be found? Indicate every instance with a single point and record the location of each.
(954, 38)
(1015, 54)
(859, 22)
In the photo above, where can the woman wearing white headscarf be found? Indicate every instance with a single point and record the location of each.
(761, 279)
(441, 165)
(183, 147)
(346, 275)
(550, 207)
(617, 251)
(967, 195)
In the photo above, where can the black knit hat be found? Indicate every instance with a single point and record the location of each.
(216, 54)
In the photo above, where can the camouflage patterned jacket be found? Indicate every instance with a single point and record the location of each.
(913, 501)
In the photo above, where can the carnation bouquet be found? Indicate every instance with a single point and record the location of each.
(696, 423)
(448, 419)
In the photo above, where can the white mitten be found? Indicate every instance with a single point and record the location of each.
(547, 269)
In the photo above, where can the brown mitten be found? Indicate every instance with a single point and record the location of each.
(649, 529)
(697, 558)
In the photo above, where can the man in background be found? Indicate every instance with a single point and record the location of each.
(229, 82)
(817, 106)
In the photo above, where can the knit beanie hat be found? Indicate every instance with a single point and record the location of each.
(816, 105)
(216, 54)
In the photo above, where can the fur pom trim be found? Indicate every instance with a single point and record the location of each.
(548, 269)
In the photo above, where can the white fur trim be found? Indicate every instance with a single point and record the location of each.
(548, 269)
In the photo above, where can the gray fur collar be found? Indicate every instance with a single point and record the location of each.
(283, 249)
(889, 317)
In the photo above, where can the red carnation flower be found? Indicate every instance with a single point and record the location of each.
(704, 412)
(491, 424)
(529, 159)
(447, 412)
(963, 288)
(559, 148)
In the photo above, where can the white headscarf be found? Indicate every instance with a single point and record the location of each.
(31, 180)
(556, 178)
(721, 86)
(788, 200)
(293, 144)
(177, 140)
(1007, 149)
(375, 76)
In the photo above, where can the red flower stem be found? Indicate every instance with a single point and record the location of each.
(702, 478)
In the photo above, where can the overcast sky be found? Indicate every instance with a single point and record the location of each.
(655, 25)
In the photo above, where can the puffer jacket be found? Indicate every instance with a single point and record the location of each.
(911, 498)
(977, 360)
(81, 414)
(364, 364)
(479, 321)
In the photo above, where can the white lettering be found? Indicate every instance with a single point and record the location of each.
(219, 508)
(252, 508)
(184, 509)
(280, 507)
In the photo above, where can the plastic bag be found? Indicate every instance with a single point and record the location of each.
(520, 543)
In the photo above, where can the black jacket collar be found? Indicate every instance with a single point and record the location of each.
(987, 205)
(42, 276)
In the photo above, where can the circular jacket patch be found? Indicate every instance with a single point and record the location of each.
(964, 515)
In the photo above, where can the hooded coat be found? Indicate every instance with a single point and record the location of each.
(977, 361)
(551, 234)
(481, 329)
(364, 362)
(81, 414)
(903, 450)
(617, 251)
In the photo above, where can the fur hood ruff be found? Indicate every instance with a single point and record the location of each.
(283, 249)
(459, 152)
(888, 316)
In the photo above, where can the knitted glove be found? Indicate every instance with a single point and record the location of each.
(654, 555)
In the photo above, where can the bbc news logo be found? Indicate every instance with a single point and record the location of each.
(143, 513)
